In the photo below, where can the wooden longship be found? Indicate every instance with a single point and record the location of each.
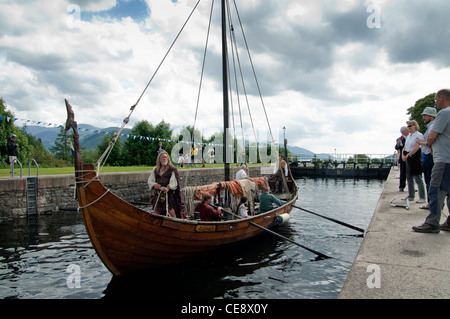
(128, 238)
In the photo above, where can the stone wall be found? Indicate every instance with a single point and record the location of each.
(57, 191)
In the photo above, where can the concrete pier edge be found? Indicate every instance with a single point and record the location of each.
(393, 261)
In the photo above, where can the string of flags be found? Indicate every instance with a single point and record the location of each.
(8, 118)
(95, 131)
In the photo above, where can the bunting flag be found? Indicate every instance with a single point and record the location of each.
(95, 131)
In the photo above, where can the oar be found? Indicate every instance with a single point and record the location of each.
(140, 203)
(291, 241)
(332, 219)
(323, 256)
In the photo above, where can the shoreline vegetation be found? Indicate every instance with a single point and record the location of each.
(4, 172)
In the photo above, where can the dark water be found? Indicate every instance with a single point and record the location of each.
(52, 257)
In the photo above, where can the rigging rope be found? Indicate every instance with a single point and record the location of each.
(170, 48)
(106, 153)
(238, 101)
(253, 69)
(234, 48)
(203, 68)
(235, 57)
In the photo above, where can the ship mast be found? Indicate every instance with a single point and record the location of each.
(225, 94)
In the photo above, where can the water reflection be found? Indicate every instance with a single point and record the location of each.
(214, 275)
(35, 254)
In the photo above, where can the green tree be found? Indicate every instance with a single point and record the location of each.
(163, 132)
(61, 150)
(115, 157)
(38, 152)
(140, 149)
(361, 158)
(137, 150)
(89, 155)
(7, 128)
(415, 112)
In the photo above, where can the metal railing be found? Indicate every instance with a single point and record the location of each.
(29, 167)
(12, 168)
(346, 158)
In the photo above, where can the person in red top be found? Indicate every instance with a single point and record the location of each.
(207, 213)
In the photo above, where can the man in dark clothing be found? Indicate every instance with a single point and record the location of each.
(160, 148)
(207, 213)
(12, 151)
(401, 164)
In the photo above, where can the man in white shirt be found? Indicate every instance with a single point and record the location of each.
(412, 155)
(439, 140)
(241, 174)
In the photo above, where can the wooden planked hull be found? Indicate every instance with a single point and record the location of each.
(127, 238)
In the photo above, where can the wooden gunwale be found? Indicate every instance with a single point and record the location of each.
(128, 238)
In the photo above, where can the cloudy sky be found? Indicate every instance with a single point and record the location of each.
(339, 75)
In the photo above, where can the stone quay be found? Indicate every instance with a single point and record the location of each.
(57, 191)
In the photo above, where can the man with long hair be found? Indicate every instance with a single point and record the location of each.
(164, 184)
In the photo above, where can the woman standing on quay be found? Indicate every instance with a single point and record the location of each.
(412, 155)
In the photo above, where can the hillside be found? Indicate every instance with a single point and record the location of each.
(305, 154)
(91, 137)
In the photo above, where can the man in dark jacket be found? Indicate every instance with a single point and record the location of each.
(13, 151)
(402, 165)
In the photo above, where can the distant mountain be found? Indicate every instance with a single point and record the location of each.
(305, 154)
(90, 136)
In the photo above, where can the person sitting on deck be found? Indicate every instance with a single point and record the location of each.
(207, 213)
(241, 210)
(267, 200)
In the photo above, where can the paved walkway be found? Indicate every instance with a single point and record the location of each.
(408, 264)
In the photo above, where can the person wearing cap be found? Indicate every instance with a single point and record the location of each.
(428, 116)
(439, 140)
(13, 151)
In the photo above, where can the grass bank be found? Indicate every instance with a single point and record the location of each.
(70, 170)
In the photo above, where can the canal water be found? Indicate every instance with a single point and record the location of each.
(51, 257)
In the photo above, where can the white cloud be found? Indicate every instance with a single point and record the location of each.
(95, 5)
